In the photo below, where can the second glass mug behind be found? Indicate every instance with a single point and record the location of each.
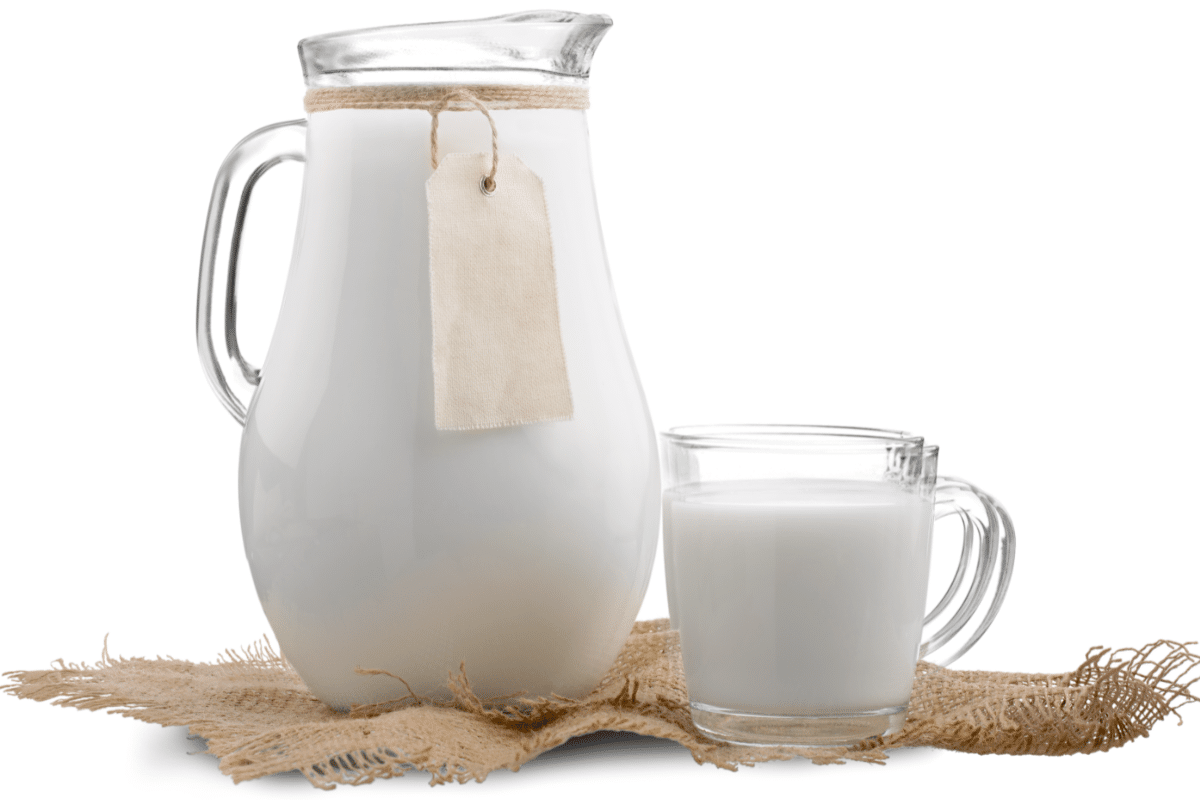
(375, 540)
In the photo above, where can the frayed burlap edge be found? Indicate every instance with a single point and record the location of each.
(259, 719)
(1114, 697)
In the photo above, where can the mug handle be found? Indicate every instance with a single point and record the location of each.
(985, 523)
(228, 372)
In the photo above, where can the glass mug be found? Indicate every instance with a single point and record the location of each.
(797, 562)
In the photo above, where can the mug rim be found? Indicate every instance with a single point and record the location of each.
(788, 437)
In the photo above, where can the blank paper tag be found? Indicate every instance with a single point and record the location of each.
(497, 348)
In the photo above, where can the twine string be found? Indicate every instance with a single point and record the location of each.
(436, 99)
(489, 181)
(424, 98)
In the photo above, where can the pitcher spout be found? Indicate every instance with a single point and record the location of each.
(534, 48)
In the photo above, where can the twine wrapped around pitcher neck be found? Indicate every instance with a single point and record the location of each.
(427, 98)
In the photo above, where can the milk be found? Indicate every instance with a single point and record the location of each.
(797, 597)
(376, 540)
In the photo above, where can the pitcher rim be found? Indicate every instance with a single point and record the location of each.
(524, 18)
(539, 48)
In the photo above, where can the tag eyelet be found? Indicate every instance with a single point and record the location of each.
(483, 187)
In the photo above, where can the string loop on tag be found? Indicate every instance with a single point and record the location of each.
(488, 185)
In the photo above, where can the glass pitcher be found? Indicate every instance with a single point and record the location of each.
(376, 540)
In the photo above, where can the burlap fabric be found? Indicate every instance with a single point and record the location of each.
(259, 719)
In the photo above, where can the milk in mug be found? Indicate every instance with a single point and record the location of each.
(798, 596)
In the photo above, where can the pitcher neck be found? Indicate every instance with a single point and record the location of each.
(537, 48)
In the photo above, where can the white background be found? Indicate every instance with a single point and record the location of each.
(977, 221)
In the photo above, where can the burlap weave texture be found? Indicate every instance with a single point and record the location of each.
(259, 719)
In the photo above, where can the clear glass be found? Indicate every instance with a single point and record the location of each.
(376, 540)
(797, 561)
(537, 48)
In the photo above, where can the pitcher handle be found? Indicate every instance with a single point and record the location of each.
(228, 372)
(986, 525)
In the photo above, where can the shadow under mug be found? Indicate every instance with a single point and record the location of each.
(797, 562)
